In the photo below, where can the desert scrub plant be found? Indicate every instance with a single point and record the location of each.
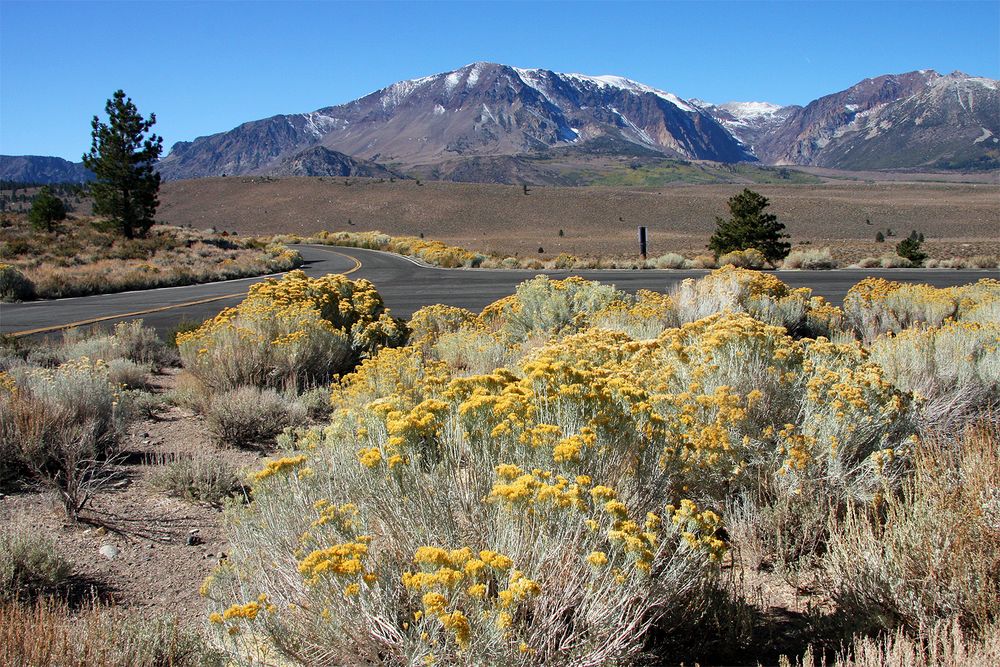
(316, 403)
(810, 260)
(548, 513)
(931, 552)
(671, 260)
(248, 416)
(127, 374)
(428, 324)
(29, 564)
(14, 286)
(49, 634)
(204, 477)
(63, 425)
(435, 253)
(876, 306)
(130, 341)
(751, 258)
(761, 295)
(461, 339)
(290, 333)
(643, 316)
(140, 344)
(952, 369)
(84, 260)
(541, 305)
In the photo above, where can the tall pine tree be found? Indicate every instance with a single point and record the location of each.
(750, 227)
(122, 156)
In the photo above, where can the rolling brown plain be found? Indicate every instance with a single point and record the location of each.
(957, 219)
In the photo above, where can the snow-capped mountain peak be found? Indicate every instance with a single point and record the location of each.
(750, 110)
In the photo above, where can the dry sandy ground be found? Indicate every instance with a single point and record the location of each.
(958, 220)
(155, 568)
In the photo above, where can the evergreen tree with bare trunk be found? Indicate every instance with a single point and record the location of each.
(122, 156)
(750, 227)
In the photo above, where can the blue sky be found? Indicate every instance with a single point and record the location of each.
(206, 67)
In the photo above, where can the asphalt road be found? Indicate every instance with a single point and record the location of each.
(404, 284)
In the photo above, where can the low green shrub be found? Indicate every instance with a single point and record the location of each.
(14, 286)
(247, 416)
(29, 564)
(207, 478)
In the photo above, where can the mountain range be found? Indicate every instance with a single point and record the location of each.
(496, 123)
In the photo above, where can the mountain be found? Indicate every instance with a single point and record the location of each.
(750, 122)
(915, 120)
(494, 123)
(482, 109)
(42, 169)
(321, 161)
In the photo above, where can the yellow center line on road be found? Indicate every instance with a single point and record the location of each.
(160, 309)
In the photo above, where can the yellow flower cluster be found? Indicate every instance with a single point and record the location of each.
(432, 252)
(876, 306)
(339, 516)
(698, 529)
(451, 578)
(276, 466)
(7, 383)
(242, 612)
(538, 489)
(340, 560)
(295, 327)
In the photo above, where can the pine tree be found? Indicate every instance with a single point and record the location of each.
(909, 249)
(122, 156)
(750, 227)
(46, 210)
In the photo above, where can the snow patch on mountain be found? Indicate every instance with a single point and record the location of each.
(394, 95)
(318, 124)
(750, 110)
(475, 70)
(621, 83)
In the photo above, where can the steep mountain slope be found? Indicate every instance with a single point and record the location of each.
(42, 169)
(320, 161)
(750, 122)
(478, 110)
(918, 119)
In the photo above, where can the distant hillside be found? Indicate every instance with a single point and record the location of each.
(320, 161)
(42, 169)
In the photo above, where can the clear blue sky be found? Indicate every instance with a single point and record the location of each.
(206, 67)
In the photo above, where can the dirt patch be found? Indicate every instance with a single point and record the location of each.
(163, 546)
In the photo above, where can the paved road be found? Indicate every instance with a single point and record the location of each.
(405, 285)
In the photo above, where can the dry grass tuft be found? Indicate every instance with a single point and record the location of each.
(49, 634)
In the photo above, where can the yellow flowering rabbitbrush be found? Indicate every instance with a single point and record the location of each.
(555, 509)
(291, 332)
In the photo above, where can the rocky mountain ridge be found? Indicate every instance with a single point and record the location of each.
(490, 122)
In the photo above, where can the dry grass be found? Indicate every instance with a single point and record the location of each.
(959, 220)
(79, 259)
(49, 634)
(931, 552)
(942, 645)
